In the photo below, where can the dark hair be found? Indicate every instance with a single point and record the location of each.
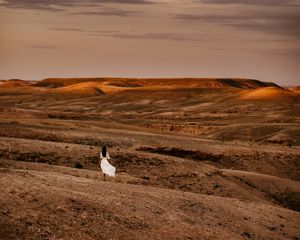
(103, 150)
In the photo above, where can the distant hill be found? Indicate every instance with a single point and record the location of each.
(160, 82)
(13, 83)
(250, 89)
(296, 89)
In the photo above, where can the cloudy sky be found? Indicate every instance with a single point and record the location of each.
(151, 38)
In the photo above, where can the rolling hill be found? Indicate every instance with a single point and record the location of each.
(195, 158)
(159, 82)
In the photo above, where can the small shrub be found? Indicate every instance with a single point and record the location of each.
(78, 165)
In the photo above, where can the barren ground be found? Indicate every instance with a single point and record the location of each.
(195, 159)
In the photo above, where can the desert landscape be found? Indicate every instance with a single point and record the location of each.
(196, 158)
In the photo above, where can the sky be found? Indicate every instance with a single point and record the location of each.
(257, 39)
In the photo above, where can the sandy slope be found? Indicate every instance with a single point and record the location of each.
(283, 190)
(273, 93)
(52, 205)
(81, 89)
(84, 89)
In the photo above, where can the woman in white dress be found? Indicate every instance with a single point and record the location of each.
(106, 167)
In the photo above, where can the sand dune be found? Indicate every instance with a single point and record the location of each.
(269, 93)
(81, 89)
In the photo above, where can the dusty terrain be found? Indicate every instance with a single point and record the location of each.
(195, 159)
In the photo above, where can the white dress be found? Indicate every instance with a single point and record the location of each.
(106, 167)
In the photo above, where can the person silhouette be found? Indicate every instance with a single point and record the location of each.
(106, 167)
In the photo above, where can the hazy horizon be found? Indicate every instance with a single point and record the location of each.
(151, 39)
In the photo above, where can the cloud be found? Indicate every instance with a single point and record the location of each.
(155, 36)
(123, 35)
(60, 5)
(286, 52)
(264, 20)
(44, 46)
(107, 12)
(255, 2)
(67, 29)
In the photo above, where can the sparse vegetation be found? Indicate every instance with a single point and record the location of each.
(78, 165)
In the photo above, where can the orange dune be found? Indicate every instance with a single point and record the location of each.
(83, 89)
(89, 88)
(269, 93)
